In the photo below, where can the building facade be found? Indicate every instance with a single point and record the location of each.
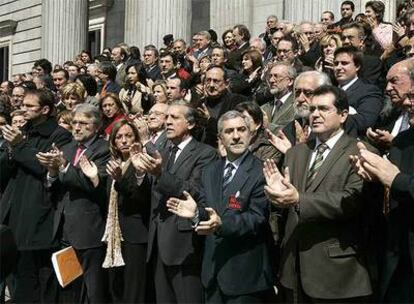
(59, 29)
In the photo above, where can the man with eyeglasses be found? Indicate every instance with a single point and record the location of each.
(17, 97)
(365, 100)
(81, 206)
(322, 258)
(309, 43)
(287, 51)
(279, 110)
(26, 205)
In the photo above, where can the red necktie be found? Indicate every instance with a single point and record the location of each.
(78, 154)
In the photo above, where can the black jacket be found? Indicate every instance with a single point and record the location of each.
(25, 205)
(81, 207)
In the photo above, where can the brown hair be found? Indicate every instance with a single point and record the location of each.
(118, 125)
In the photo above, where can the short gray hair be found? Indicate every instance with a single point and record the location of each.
(291, 71)
(320, 77)
(90, 111)
(231, 115)
(205, 34)
(191, 113)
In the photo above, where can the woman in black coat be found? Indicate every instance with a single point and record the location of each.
(128, 215)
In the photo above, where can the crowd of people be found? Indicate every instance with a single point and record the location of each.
(275, 169)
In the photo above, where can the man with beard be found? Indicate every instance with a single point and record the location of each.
(218, 100)
(297, 131)
(280, 110)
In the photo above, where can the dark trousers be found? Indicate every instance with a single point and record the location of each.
(35, 280)
(215, 295)
(401, 287)
(177, 284)
(94, 276)
(128, 283)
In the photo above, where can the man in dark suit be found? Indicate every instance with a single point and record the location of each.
(151, 63)
(353, 34)
(394, 118)
(233, 212)
(322, 252)
(396, 175)
(218, 100)
(81, 208)
(280, 110)
(172, 248)
(365, 100)
(242, 37)
(25, 204)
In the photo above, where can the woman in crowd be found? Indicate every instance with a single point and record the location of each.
(328, 45)
(72, 94)
(86, 57)
(135, 93)
(128, 215)
(159, 91)
(64, 119)
(251, 72)
(228, 40)
(91, 88)
(381, 30)
(112, 111)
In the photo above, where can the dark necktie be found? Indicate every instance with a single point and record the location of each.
(229, 173)
(316, 164)
(276, 106)
(171, 159)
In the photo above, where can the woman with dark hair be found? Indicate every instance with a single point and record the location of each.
(91, 88)
(86, 57)
(134, 56)
(112, 111)
(229, 42)
(126, 229)
(381, 30)
(134, 96)
(252, 64)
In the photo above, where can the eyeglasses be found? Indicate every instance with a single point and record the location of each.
(81, 123)
(322, 109)
(307, 93)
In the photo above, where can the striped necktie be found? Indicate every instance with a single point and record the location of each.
(316, 164)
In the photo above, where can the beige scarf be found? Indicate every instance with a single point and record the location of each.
(113, 235)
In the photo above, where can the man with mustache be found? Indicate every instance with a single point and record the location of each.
(217, 101)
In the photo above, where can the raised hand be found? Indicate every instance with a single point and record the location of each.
(149, 164)
(12, 135)
(185, 208)
(398, 29)
(378, 167)
(279, 141)
(89, 169)
(114, 170)
(203, 111)
(210, 226)
(273, 176)
(284, 195)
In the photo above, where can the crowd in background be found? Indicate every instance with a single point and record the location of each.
(166, 169)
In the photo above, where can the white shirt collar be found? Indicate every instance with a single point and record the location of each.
(236, 163)
(285, 97)
(346, 86)
(184, 143)
(331, 142)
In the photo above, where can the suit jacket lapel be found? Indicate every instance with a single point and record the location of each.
(283, 110)
(186, 153)
(330, 160)
(303, 161)
(237, 182)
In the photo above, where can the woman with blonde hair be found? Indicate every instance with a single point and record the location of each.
(328, 44)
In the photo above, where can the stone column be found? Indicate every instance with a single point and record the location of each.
(225, 14)
(147, 21)
(64, 29)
